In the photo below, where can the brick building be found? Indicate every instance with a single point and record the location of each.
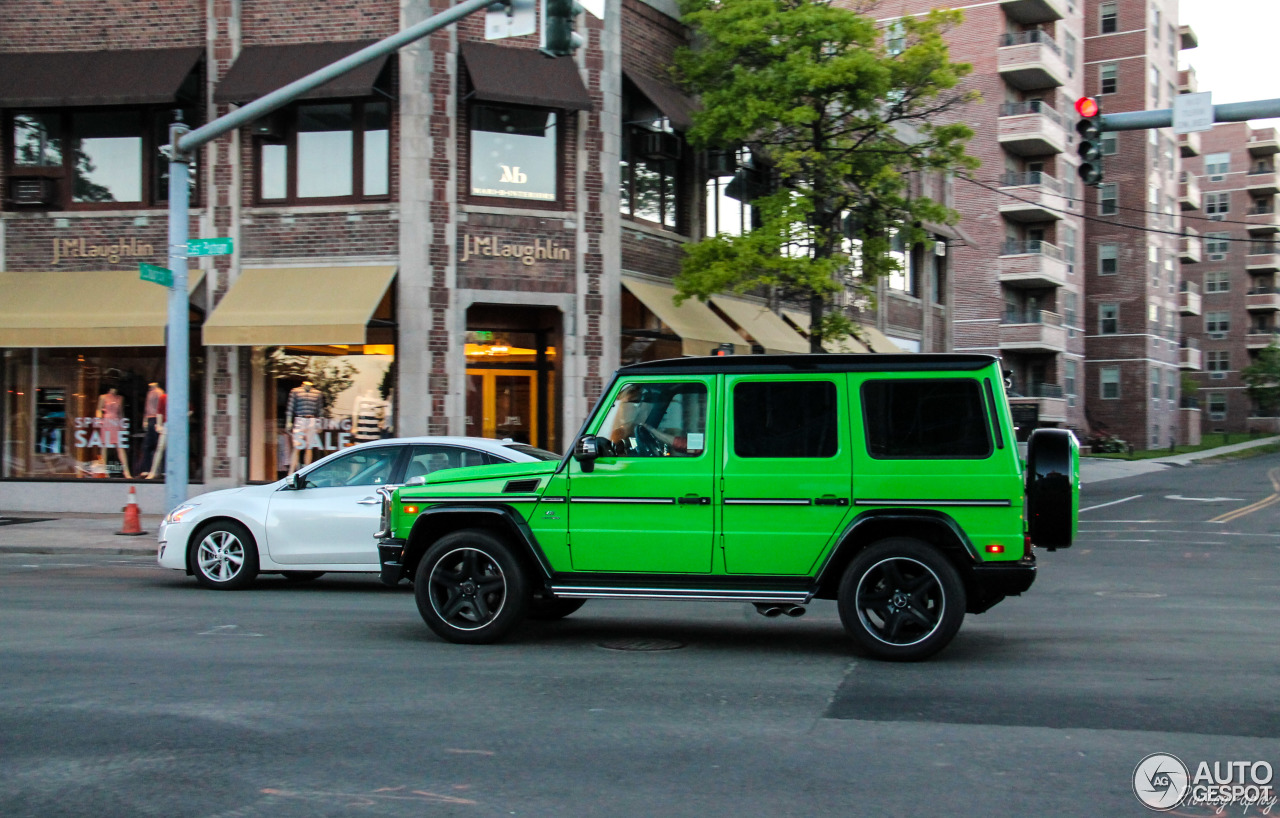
(1234, 175)
(465, 238)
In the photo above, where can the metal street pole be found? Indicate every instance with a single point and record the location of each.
(183, 142)
(1163, 118)
(177, 344)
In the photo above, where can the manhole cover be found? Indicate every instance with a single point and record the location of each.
(1130, 594)
(642, 644)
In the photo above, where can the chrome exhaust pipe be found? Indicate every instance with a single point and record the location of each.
(793, 610)
(768, 609)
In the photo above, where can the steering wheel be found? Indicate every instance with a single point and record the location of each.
(646, 443)
(620, 447)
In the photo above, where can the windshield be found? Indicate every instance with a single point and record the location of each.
(534, 451)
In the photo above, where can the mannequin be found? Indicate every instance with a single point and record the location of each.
(111, 411)
(153, 428)
(368, 417)
(301, 414)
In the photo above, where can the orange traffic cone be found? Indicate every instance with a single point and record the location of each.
(132, 524)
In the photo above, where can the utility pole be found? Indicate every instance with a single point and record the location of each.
(183, 143)
(1163, 118)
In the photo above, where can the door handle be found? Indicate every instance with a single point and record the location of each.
(694, 500)
(368, 501)
(831, 501)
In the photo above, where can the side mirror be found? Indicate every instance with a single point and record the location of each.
(588, 448)
(297, 482)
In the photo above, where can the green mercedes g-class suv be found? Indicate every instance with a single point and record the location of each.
(892, 484)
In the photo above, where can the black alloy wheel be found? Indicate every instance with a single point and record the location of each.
(470, 588)
(901, 600)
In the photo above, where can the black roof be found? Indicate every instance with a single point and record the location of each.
(815, 362)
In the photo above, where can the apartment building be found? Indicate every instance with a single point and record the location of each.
(1230, 300)
(1133, 249)
(1019, 282)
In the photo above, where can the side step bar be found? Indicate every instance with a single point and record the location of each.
(796, 597)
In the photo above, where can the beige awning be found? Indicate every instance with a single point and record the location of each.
(104, 308)
(850, 344)
(700, 330)
(298, 306)
(762, 324)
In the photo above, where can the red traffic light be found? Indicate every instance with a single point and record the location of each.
(1087, 107)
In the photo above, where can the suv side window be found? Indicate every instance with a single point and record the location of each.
(785, 419)
(925, 419)
(658, 420)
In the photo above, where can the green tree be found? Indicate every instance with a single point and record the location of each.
(844, 116)
(1262, 380)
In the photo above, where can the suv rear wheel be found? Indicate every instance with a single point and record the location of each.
(470, 588)
(901, 600)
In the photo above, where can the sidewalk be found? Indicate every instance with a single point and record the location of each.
(72, 532)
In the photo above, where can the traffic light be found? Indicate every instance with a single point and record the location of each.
(723, 350)
(1090, 130)
(558, 37)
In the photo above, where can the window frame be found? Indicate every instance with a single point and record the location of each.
(1108, 78)
(679, 195)
(1108, 18)
(867, 401)
(1104, 380)
(1113, 319)
(1114, 249)
(563, 125)
(289, 139)
(153, 122)
(1114, 198)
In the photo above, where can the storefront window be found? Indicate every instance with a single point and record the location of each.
(96, 413)
(327, 151)
(308, 402)
(513, 153)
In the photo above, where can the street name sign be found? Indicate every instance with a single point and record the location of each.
(160, 275)
(209, 247)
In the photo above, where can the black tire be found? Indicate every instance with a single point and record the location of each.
(223, 556)
(470, 588)
(302, 576)
(1052, 497)
(548, 609)
(901, 600)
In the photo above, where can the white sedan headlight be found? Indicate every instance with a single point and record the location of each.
(178, 513)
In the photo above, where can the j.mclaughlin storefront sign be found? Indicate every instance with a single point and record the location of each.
(119, 250)
(528, 254)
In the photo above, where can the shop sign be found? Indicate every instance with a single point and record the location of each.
(495, 247)
(325, 434)
(105, 433)
(114, 253)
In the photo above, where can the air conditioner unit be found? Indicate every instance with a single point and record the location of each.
(1218, 376)
(1217, 217)
(721, 163)
(32, 190)
(656, 145)
(1217, 336)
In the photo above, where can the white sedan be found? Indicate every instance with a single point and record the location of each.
(320, 519)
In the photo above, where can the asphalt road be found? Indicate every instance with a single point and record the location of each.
(127, 691)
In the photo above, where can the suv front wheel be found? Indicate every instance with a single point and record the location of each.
(901, 600)
(470, 588)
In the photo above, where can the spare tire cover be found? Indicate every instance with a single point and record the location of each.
(1053, 489)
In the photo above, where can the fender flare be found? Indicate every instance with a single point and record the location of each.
(436, 521)
(934, 527)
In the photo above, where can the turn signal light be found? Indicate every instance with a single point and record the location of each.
(995, 548)
(410, 509)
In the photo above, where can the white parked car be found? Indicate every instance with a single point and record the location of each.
(320, 519)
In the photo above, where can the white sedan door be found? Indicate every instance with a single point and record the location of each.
(332, 520)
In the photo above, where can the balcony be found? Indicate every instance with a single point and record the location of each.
(1190, 356)
(1262, 217)
(1187, 81)
(1032, 264)
(1030, 12)
(1190, 247)
(1264, 257)
(1187, 37)
(1031, 129)
(1188, 192)
(1030, 60)
(1038, 331)
(1262, 180)
(1189, 298)
(1189, 144)
(1050, 403)
(1261, 337)
(1262, 299)
(1032, 197)
(1262, 142)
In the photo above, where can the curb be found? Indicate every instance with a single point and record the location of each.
(45, 550)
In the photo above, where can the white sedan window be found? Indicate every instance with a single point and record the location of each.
(365, 467)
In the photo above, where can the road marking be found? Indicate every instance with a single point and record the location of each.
(1205, 499)
(1112, 503)
(227, 630)
(1265, 502)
